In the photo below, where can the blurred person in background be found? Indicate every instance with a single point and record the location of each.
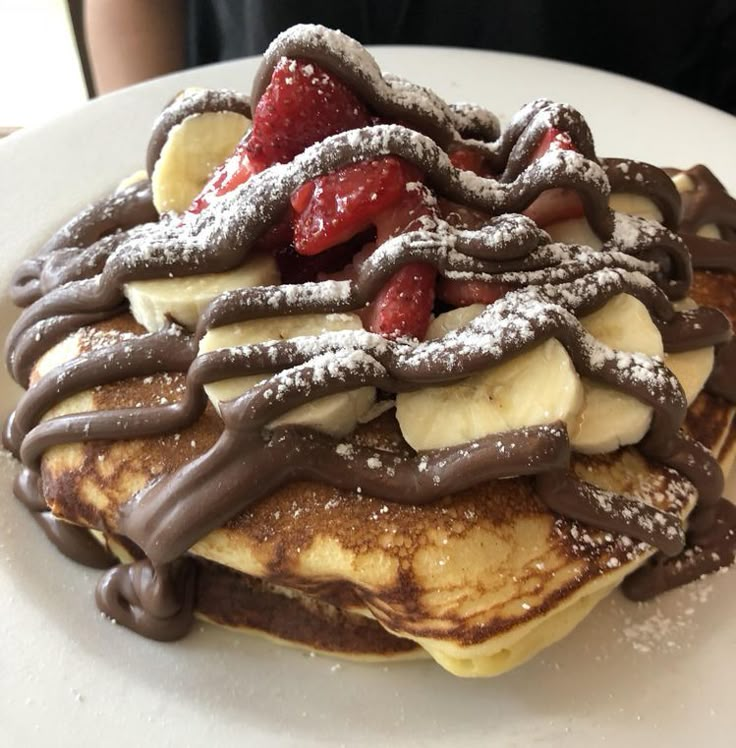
(686, 47)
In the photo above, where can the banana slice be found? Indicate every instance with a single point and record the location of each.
(335, 414)
(692, 368)
(536, 387)
(610, 418)
(683, 183)
(578, 231)
(574, 231)
(709, 231)
(451, 320)
(136, 176)
(635, 205)
(184, 299)
(192, 150)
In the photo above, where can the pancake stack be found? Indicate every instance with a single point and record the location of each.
(445, 417)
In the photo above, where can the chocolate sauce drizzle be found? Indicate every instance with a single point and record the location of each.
(710, 203)
(420, 107)
(154, 601)
(73, 541)
(712, 531)
(119, 211)
(639, 178)
(202, 243)
(555, 283)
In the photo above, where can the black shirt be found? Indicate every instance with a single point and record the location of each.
(688, 47)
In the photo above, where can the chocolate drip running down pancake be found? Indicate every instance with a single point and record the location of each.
(407, 566)
(118, 424)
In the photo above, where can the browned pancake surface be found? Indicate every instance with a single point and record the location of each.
(710, 418)
(467, 568)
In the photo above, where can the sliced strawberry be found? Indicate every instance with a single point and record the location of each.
(553, 138)
(466, 292)
(468, 160)
(302, 105)
(403, 306)
(556, 204)
(233, 172)
(333, 208)
(461, 216)
(406, 212)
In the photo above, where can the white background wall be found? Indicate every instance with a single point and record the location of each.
(40, 75)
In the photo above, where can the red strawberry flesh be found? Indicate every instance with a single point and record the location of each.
(459, 292)
(553, 138)
(403, 307)
(468, 160)
(302, 105)
(556, 204)
(333, 208)
(233, 172)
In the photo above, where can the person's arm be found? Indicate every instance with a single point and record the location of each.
(133, 40)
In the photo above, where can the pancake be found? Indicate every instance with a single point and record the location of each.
(243, 603)
(482, 579)
(711, 418)
(218, 454)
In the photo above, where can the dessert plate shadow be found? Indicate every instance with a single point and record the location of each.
(634, 674)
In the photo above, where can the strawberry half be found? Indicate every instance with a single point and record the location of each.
(233, 172)
(461, 216)
(469, 160)
(403, 307)
(236, 170)
(302, 105)
(457, 292)
(556, 204)
(552, 138)
(333, 208)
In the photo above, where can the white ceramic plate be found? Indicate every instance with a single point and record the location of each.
(657, 674)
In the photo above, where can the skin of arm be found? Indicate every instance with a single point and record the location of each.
(130, 41)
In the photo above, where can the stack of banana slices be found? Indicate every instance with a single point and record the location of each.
(480, 581)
